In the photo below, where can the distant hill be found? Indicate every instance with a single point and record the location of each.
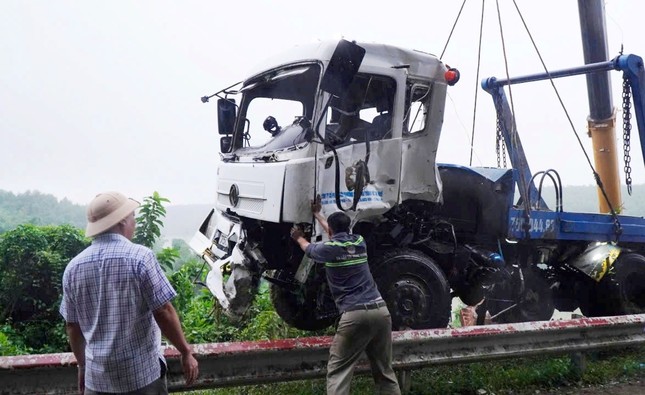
(39, 209)
(182, 221)
(584, 199)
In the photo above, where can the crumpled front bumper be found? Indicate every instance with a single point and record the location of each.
(234, 262)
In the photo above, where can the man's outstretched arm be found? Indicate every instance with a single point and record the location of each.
(299, 237)
(316, 207)
(168, 322)
(77, 343)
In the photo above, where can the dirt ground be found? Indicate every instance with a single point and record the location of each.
(635, 386)
(632, 386)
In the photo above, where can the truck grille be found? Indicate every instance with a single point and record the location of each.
(246, 204)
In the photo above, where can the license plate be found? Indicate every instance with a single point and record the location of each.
(223, 240)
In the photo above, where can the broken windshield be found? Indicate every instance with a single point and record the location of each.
(273, 107)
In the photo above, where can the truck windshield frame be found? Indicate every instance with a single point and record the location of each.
(287, 94)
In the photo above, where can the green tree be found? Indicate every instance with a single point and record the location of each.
(149, 220)
(167, 257)
(149, 225)
(32, 261)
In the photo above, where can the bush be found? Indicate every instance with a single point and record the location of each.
(196, 306)
(32, 261)
(10, 343)
(204, 321)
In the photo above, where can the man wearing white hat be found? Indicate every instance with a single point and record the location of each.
(116, 304)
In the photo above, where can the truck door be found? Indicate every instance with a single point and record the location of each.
(361, 161)
(422, 120)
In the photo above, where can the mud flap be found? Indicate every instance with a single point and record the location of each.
(214, 282)
(236, 292)
(303, 270)
(241, 286)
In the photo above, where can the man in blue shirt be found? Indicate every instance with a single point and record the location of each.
(365, 323)
(116, 304)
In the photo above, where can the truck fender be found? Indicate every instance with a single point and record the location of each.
(597, 259)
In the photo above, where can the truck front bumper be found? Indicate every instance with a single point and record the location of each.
(234, 262)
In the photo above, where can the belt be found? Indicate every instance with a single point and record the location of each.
(367, 306)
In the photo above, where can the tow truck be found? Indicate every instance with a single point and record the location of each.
(358, 124)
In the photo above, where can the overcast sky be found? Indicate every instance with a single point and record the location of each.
(101, 95)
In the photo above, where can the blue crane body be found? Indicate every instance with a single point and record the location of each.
(556, 224)
(559, 225)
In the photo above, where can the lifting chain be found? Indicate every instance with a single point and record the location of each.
(627, 131)
(500, 145)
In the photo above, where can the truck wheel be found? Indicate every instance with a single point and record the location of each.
(535, 303)
(622, 290)
(298, 309)
(415, 289)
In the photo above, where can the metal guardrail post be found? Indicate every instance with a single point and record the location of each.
(405, 380)
(578, 358)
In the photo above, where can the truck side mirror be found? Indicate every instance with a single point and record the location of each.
(342, 68)
(226, 116)
(309, 135)
(225, 144)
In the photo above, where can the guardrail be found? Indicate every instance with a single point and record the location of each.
(248, 363)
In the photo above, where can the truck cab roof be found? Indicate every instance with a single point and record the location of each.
(377, 56)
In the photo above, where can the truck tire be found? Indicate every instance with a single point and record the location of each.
(298, 309)
(622, 290)
(535, 303)
(415, 289)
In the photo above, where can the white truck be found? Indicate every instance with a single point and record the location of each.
(359, 125)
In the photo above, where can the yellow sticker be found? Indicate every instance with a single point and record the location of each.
(607, 263)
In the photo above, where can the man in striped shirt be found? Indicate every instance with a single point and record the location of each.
(365, 323)
(116, 304)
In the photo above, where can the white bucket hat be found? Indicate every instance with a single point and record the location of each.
(106, 210)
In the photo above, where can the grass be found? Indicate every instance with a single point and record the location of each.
(515, 376)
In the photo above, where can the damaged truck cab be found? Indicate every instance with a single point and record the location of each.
(365, 149)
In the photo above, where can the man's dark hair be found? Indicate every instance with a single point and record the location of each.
(338, 222)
